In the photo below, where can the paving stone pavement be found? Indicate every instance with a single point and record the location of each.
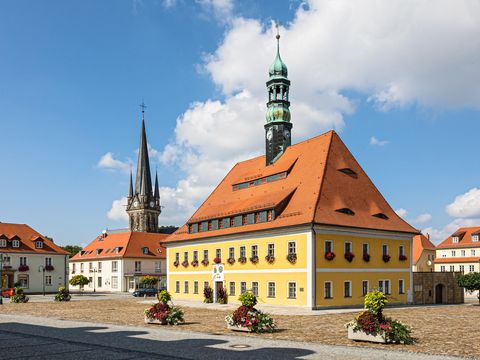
(28, 337)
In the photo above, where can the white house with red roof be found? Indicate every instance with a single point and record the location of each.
(30, 260)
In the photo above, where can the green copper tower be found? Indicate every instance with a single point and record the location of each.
(278, 127)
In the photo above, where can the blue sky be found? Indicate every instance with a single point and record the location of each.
(73, 73)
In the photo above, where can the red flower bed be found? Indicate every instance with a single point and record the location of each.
(349, 256)
(159, 311)
(330, 255)
(23, 268)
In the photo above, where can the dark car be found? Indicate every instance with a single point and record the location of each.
(145, 292)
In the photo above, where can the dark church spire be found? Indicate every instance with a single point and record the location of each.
(156, 194)
(130, 186)
(143, 205)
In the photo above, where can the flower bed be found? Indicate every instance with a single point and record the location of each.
(371, 325)
(162, 313)
(23, 268)
(247, 318)
(63, 294)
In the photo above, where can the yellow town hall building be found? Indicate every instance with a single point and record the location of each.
(303, 225)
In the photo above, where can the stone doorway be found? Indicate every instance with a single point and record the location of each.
(439, 289)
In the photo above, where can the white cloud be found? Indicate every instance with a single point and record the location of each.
(401, 212)
(465, 205)
(169, 3)
(374, 141)
(422, 218)
(221, 9)
(107, 161)
(117, 211)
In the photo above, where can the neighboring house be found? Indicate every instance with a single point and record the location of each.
(31, 260)
(117, 260)
(423, 254)
(460, 251)
(302, 225)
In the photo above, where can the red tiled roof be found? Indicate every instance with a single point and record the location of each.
(457, 259)
(27, 237)
(420, 243)
(464, 241)
(130, 245)
(320, 190)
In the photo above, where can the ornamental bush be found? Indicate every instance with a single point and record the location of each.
(63, 294)
(222, 296)
(164, 312)
(164, 297)
(246, 316)
(375, 301)
(19, 296)
(149, 281)
(208, 295)
(248, 299)
(79, 280)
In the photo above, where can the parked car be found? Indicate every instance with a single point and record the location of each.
(145, 292)
(8, 292)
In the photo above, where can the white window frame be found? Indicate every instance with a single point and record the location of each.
(16, 243)
(295, 290)
(455, 239)
(195, 287)
(325, 290)
(21, 277)
(368, 287)
(254, 287)
(368, 248)
(269, 293)
(349, 295)
(462, 252)
(452, 268)
(271, 246)
(232, 286)
(471, 268)
(218, 253)
(3, 242)
(138, 266)
(205, 255)
(177, 287)
(48, 280)
(387, 252)
(231, 252)
(39, 244)
(243, 287)
(114, 281)
(243, 251)
(291, 245)
(401, 288)
(401, 250)
(114, 266)
(345, 246)
(253, 252)
(442, 268)
(325, 245)
(185, 287)
(475, 238)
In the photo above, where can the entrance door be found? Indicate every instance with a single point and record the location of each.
(218, 289)
(439, 294)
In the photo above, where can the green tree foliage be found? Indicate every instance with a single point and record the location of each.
(149, 281)
(248, 299)
(79, 280)
(375, 301)
(470, 282)
(170, 229)
(72, 249)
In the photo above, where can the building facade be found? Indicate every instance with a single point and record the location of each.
(301, 226)
(30, 260)
(118, 260)
(423, 254)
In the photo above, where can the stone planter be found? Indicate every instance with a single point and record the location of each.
(154, 321)
(238, 328)
(359, 335)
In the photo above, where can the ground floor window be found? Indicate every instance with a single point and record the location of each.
(401, 286)
(347, 289)
(48, 280)
(271, 289)
(384, 286)
(462, 268)
(442, 268)
(452, 268)
(185, 287)
(177, 286)
(243, 287)
(23, 280)
(292, 290)
(364, 287)
(195, 287)
(131, 283)
(471, 268)
(328, 290)
(231, 288)
(99, 279)
(255, 288)
(114, 282)
(90, 281)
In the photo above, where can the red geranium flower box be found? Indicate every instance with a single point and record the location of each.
(402, 257)
(366, 257)
(217, 260)
(330, 255)
(386, 258)
(349, 256)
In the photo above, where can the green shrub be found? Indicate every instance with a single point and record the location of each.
(208, 295)
(19, 296)
(62, 295)
(248, 299)
(375, 301)
(164, 297)
(149, 281)
(79, 280)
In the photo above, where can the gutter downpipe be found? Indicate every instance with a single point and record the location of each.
(314, 265)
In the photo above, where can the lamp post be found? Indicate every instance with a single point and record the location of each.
(41, 268)
(94, 281)
(1, 279)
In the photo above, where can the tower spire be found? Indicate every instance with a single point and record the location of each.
(143, 181)
(156, 194)
(278, 127)
(130, 186)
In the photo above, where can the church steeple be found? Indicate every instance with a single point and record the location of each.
(278, 127)
(143, 205)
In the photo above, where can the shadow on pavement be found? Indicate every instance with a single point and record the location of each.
(102, 342)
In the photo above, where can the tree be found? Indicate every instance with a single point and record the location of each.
(470, 282)
(79, 280)
(149, 281)
(72, 249)
(169, 229)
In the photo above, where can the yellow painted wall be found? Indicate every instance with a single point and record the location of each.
(266, 272)
(422, 263)
(356, 276)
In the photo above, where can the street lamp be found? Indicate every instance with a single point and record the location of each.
(41, 268)
(94, 272)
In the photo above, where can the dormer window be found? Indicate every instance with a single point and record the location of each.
(16, 243)
(99, 251)
(475, 238)
(82, 252)
(349, 172)
(39, 244)
(346, 211)
(455, 239)
(145, 250)
(381, 216)
(3, 243)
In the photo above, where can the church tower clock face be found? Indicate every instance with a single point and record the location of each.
(269, 134)
(135, 203)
